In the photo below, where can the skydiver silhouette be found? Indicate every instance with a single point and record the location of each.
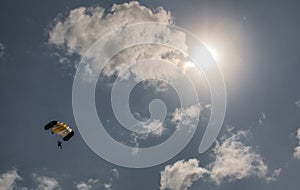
(59, 144)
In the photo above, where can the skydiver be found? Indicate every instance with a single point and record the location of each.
(59, 144)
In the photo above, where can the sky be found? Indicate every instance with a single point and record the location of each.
(254, 43)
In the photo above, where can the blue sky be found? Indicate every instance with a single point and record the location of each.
(254, 43)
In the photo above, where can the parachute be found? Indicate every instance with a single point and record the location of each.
(60, 128)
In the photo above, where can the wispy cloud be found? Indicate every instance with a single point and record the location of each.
(155, 128)
(261, 119)
(8, 180)
(234, 160)
(86, 185)
(297, 149)
(297, 103)
(187, 116)
(115, 173)
(95, 183)
(3, 51)
(46, 183)
(107, 186)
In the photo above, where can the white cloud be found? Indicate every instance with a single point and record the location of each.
(187, 116)
(82, 185)
(115, 173)
(181, 174)
(107, 186)
(235, 161)
(297, 149)
(297, 103)
(274, 176)
(2, 50)
(46, 183)
(132, 56)
(83, 26)
(8, 180)
(262, 118)
(156, 129)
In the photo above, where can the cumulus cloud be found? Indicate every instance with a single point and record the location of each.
(233, 160)
(297, 149)
(84, 25)
(46, 183)
(82, 185)
(75, 33)
(181, 174)
(8, 179)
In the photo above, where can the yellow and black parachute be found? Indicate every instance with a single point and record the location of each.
(60, 128)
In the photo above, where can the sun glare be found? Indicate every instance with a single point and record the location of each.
(213, 52)
(188, 64)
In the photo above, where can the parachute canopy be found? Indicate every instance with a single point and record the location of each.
(60, 128)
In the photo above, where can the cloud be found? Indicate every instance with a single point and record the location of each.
(107, 186)
(95, 183)
(156, 129)
(181, 174)
(297, 149)
(3, 52)
(84, 25)
(234, 161)
(8, 179)
(46, 183)
(297, 103)
(261, 119)
(115, 173)
(82, 185)
(188, 117)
